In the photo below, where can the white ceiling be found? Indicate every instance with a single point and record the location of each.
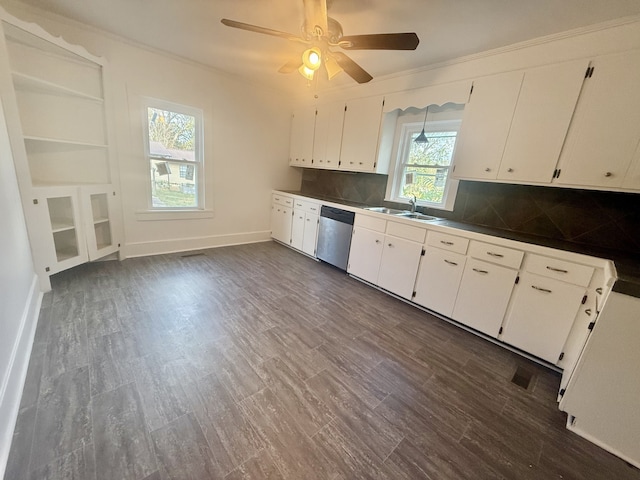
(447, 28)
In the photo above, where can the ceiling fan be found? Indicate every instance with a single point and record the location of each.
(323, 34)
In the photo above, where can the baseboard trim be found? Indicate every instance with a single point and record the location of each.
(11, 390)
(159, 247)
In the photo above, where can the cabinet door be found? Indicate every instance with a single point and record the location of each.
(66, 230)
(399, 266)
(541, 315)
(485, 126)
(632, 179)
(365, 254)
(483, 296)
(604, 133)
(328, 135)
(302, 129)
(281, 220)
(438, 280)
(310, 234)
(545, 106)
(97, 210)
(297, 229)
(360, 134)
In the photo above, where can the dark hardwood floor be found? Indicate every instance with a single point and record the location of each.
(255, 362)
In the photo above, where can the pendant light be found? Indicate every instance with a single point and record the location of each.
(422, 138)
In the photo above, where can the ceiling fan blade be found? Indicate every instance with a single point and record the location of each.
(266, 31)
(315, 14)
(354, 70)
(291, 66)
(380, 41)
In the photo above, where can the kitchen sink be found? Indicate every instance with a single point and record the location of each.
(402, 213)
(390, 211)
(416, 216)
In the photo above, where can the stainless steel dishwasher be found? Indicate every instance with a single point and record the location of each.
(334, 236)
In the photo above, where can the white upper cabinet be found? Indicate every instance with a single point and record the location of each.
(545, 106)
(328, 135)
(302, 129)
(604, 133)
(485, 126)
(360, 134)
(632, 179)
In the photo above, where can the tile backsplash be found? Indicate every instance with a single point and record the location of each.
(600, 219)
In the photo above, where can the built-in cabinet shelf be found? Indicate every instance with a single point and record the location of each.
(54, 97)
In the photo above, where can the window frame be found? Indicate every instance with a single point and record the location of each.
(198, 162)
(406, 126)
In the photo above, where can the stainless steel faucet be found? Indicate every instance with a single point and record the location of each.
(412, 202)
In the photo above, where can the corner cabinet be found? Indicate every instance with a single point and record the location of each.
(302, 131)
(56, 104)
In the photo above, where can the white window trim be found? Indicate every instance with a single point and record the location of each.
(405, 126)
(169, 213)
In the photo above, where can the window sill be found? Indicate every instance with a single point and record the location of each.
(151, 215)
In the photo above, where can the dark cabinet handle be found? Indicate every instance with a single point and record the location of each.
(558, 270)
(540, 289)
(451, 263)
(446, 243)
(497, 255)
(484, 272)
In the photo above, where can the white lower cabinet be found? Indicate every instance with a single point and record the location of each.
(541, 315)
(438, 280)
(281, 223)
(310, 234)
(399, 265)
(365, 253)
(483, 296)
(297, 229)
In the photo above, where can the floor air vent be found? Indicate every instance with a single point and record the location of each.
(522, 377)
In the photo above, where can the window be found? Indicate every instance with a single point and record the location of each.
(174, 149)
(422, 169)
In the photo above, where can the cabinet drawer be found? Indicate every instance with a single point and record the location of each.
(372, 223)
(408, 232)
(447, 242)
(306, 206)
(559, 269)
(507, 257)
(282, 200)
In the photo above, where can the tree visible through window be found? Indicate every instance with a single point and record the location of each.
(426, 166)
(175, 155)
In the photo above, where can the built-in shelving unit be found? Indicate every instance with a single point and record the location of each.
(62, 146)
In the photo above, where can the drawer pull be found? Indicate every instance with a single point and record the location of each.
(558, 270)
(480, 271)
(446, 243)
(497, 255)
(451, 263)
(540, 289)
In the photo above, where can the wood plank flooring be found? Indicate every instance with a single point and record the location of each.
(254, 362)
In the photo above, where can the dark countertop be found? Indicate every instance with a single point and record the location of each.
(627, 266)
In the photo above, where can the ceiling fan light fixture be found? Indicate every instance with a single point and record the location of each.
(306, 72)
(332, 67)
(422, 138)
(312, 58)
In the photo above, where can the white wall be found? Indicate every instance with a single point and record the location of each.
(19, 296)
(246, 140)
